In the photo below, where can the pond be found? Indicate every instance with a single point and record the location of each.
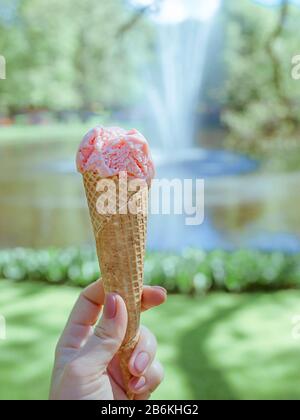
(42, 201)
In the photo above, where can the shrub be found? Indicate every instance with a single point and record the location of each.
(192, 272)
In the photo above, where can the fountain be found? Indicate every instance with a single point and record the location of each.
(174, 81)
(173, 88)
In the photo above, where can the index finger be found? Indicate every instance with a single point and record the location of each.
(153, 296)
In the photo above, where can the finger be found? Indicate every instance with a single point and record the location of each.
(87, 310)
(119, 392)
(144, 353)
(114, 370)
(107, 338)
(143, 397)
(153, 296)
(84, 314)
(148, 383)
(146, 344)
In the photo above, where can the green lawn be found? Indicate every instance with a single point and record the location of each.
(220, 346)
(73, 131)
(37, 133)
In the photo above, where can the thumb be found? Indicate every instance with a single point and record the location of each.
(108, 335)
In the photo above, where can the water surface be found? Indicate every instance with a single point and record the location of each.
(42, 202)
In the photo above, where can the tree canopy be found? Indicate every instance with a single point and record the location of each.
(261, 97)
(71, 54)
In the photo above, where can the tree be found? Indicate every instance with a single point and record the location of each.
(261, 98)
(71, 54)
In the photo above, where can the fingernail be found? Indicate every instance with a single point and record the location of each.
(160, 288)
(141, 362)
(110, 307)
(140, 383)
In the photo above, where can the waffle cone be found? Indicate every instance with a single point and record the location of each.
(120, 241)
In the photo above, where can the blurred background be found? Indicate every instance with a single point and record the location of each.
(215, 87)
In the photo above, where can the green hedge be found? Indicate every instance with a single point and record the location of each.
(193, 271)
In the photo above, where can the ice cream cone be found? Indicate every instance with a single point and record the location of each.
(120, 240)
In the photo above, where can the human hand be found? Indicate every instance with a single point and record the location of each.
(86, 361)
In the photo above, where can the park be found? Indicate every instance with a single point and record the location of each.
(214, 88)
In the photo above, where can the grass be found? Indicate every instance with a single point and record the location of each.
(72, 131)
(37, 133)
(222, 346)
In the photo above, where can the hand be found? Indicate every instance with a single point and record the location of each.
(86, 362)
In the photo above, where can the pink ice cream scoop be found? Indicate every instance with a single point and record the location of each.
(109, 151)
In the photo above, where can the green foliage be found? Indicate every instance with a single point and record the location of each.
(70, 54)
(193, 272)
(261, 97)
